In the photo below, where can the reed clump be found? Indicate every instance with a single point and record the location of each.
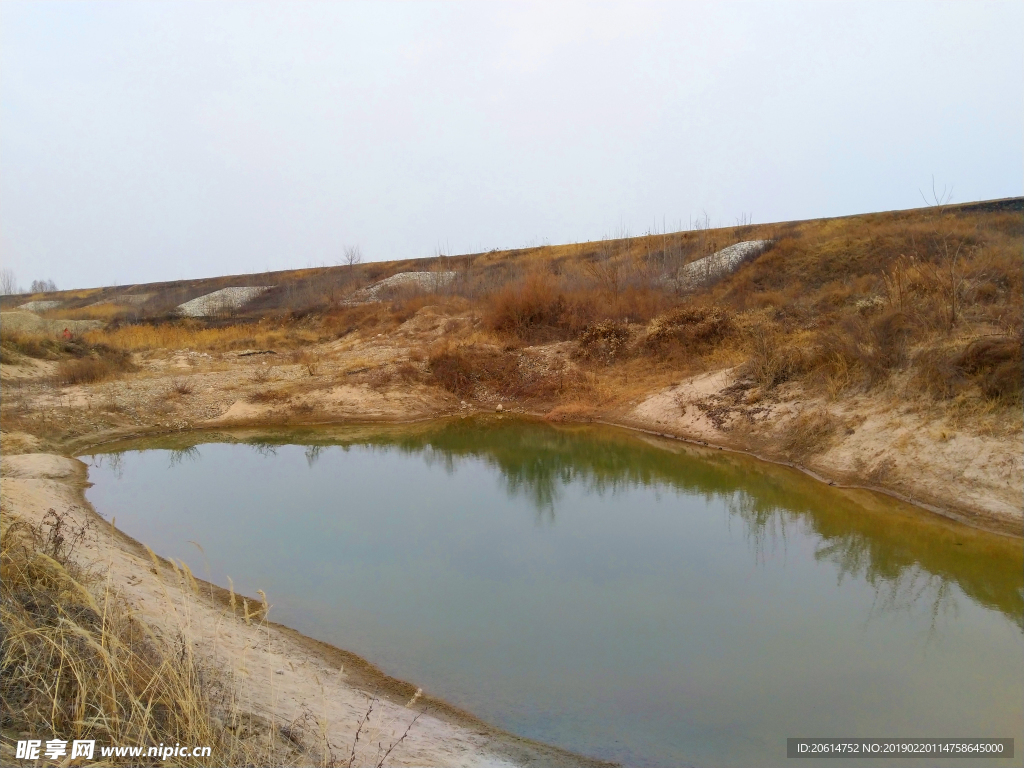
(76, 664)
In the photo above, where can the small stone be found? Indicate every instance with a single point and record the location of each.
(499, 408)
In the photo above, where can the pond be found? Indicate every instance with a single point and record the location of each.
(622, 596)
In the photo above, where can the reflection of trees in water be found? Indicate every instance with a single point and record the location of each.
(313, 453)
(908, 565)
(900, 585)
(891, 567)
(114, 461)
(181, 455)
(765, 523)
(906, 561)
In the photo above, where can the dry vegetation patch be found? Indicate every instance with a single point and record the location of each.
(77, 662)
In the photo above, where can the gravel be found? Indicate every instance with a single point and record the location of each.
(721, 263)
(40, 306)
(218, 301)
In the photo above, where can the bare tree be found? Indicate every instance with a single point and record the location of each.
(43, 286)
(8, 282)
(943, 257)
(352, 256)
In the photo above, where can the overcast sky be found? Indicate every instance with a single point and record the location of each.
(154, 141)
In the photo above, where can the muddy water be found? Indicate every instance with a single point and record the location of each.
(628, 598)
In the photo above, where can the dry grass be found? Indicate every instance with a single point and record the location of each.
(105, 312)
(182, 387)
(196, 335)
(808, 432)
(931, 299)
(267, 396)
(484, 372)
(311, 361)
(89, 370)
(78, 664)
(36, 345)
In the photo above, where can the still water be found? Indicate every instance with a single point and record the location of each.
(624, 597)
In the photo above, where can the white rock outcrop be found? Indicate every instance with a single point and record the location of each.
(40, 306)
(719, 264)
(219, 301)
(425, 281)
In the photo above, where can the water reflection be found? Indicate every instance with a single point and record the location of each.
(634, 598)
(191, 453)
(908, 557)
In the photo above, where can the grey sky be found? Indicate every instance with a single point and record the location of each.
(154, 141)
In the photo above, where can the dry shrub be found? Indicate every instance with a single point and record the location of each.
(808, 433)
(771, 361)
(691, 330)
(535, 309)
(267, 396)
(997, 363)
(385, 375)
(461, 369)
(87, 370)
(182, 387)
(345, 320)
(311, 361)
(261, 374)
(452, 370)
(876, 347)
(994, 364)
(464, 371)
(604, 341)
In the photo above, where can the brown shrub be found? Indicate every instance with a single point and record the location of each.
(771, 361)
(402, 373)
(536, 309)
(460, 370)
(693, 330)
(267, 396)
(604, 341)
(88, 370)
(182, 387)
(876, 347)
(453, 371)
(994, 364)
(464, 370)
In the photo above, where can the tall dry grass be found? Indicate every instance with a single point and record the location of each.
(196, 335)
(96, 367)
(75, 663)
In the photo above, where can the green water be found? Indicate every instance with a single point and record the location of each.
(628, 598)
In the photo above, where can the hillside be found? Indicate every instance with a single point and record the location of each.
(880, 350)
